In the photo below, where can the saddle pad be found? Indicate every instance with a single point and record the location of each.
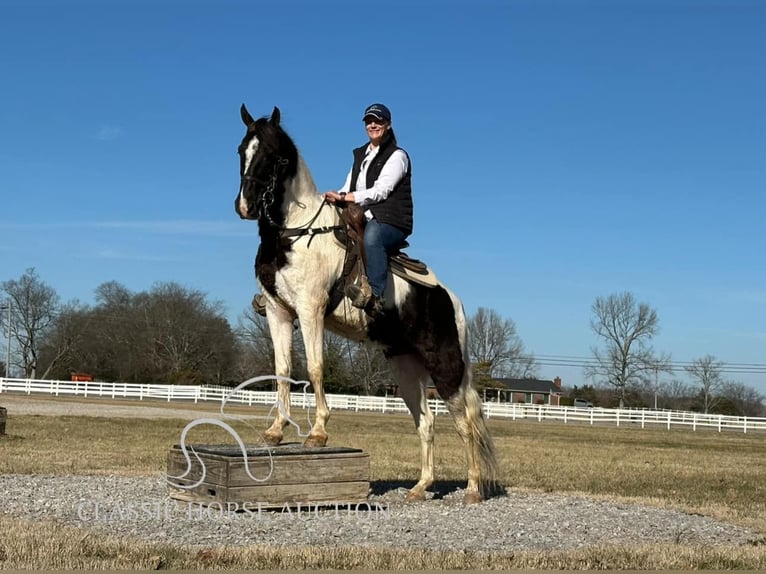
(409, 263)
(412, 270)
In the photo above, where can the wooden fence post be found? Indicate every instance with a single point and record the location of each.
(3, 416)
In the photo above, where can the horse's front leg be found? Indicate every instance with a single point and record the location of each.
(281, 328)
(312, 327)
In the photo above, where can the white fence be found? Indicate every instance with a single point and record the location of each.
(514, 411)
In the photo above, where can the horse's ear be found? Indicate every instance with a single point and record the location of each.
(246, 117)
(275, 115)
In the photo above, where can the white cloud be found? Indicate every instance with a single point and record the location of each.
(108, 133)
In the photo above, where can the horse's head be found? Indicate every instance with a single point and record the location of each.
(267, 159)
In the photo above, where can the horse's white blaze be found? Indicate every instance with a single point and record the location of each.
(242, 203)
(252, 147)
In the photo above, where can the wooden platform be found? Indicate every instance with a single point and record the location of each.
(299, 475)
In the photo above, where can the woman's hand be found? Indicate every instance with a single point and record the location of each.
(335, 197)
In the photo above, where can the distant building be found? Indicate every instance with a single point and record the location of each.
(529, 391)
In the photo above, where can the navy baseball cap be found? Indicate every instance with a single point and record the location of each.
(378, 111)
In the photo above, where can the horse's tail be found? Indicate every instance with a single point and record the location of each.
(481, 448)
(481, 444)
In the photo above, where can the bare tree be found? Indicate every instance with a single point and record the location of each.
(189, 339)
(256, 357)
(185, 332)
(62, 338)
(707, 373)
(626, 328)
(653, 382)
(169, 334)
(675, 395)
(370, 368)
(746, 400)
(495, 348)
(339, 376)
(34, 309)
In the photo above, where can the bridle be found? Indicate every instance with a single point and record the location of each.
(267, 199)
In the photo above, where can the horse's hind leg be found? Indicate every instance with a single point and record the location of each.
(442, 341)
(413, 378)
(281, 329)
(451, 373)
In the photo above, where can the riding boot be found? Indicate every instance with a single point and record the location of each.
(374, 307)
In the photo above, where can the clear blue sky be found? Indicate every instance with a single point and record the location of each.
(562, 150)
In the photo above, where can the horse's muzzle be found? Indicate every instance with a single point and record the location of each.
(246, 209)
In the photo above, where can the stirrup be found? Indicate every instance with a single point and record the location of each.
(360, 294)
(259, 304)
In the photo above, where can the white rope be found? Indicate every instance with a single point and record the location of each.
(197, 422)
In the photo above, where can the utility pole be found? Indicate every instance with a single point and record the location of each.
(656, 383)
(3, 307)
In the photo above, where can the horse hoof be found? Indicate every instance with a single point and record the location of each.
(472, 498)
(315, 440)
(415, 496)
(271, 440)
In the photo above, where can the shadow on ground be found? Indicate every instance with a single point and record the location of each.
(440, 488)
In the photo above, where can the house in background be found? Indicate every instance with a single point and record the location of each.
(529, 391)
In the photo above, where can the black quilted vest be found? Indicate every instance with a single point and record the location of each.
(396, 209)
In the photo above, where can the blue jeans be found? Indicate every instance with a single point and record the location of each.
(380, 239)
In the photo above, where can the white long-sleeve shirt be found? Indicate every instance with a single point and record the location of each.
(392, 173)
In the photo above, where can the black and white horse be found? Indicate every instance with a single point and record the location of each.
(299, 262)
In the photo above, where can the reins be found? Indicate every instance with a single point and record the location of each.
(306, 229)
(292, 234)
(289, 232)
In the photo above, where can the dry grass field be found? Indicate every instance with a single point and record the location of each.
(716, 475)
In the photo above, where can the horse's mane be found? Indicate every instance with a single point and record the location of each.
(274, 141)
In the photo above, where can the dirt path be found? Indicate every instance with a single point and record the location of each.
(94, 407)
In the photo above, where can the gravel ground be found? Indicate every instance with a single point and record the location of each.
(140, 507)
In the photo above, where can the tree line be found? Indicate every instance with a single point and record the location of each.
(173, 334)
(626, 368)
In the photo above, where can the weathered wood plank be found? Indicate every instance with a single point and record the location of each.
(276, 496)
(298, 475)
(278, 470)
(290, 448)
(216, 468)
(330, 469)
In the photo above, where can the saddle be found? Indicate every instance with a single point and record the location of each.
(351, 236)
